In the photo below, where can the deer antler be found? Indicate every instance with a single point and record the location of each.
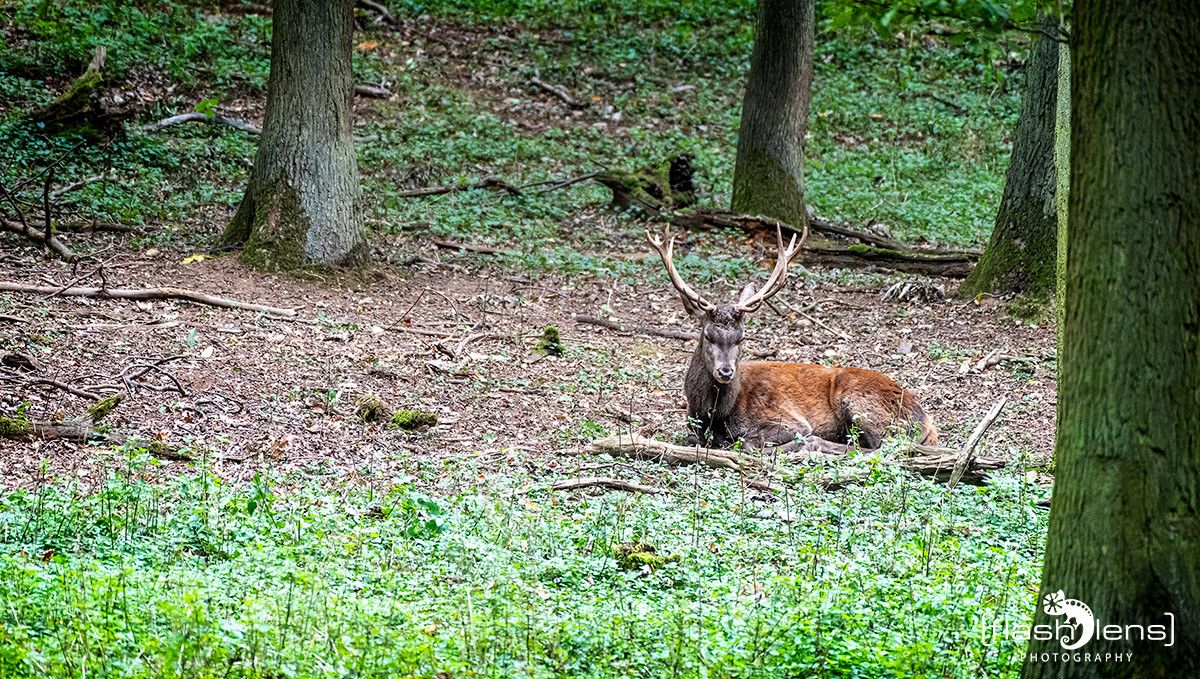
(775, 281)
(690, 296)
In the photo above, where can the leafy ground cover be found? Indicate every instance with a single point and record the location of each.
(197, 578)
(908, 132)
(302, 543)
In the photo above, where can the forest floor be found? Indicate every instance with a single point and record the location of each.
(457, 335)
(300, 541)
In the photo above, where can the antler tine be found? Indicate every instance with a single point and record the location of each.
(774, 282)
(666, 253)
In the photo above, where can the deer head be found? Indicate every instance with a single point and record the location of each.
(721, 331)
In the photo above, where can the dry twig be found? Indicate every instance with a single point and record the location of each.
(204, 118)
(605, 482)
(147, 293)
(559, 92)
(471, 247)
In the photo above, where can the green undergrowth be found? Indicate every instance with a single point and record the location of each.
(286, 577)
(664, 78)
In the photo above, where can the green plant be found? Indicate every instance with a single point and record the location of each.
(893, 577)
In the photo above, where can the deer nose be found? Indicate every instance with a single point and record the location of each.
(725, 373)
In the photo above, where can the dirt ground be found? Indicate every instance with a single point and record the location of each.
(456, 334)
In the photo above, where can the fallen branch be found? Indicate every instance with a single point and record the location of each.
(555, 184)
(80, 428)
(636, 329)
(47, 239)
(471, 247)
(559, 92)
(147, 293)
(992, 358)
(74, 391)
(638, 447)
(203, 118)
(605, 482)
(926, 263)
(938, 464)
(815, 224)
(373, 91)
(77, 185)
(871, 249)
(73, 429)
(486, 183)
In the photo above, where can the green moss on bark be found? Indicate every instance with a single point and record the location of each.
(1024, 263)
(278, 229)
(370, 408)
(15, 427)
(101, 409)
(763, 186)
(550, 343)
(633, 556)
(1022, 253)
(412, 419)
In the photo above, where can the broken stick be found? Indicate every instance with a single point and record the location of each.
(966, 455)
(559, 92)
(147, 293)
(203, 118)
(605, 482)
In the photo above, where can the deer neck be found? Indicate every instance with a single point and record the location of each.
(710, 402)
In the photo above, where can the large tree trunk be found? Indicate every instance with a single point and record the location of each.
(1125, 521)
(1022, 252)
(768, 177)
(299, 207)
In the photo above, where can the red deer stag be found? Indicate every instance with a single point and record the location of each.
(763, 403)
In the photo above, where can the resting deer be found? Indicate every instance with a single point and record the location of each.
(763, 403)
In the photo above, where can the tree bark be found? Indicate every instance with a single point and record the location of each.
(1062, 188)
(1021, 255)
(299, 207)
(768, 176)
(1125, 522)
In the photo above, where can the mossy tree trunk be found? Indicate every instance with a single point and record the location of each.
(299, 207)
(1062, 187)
(1021, 255)
(768, 176)
(1125, 520)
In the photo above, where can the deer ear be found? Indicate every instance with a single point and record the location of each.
(747, 293)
